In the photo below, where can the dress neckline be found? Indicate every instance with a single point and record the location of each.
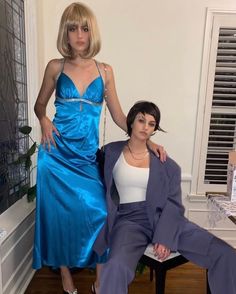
(88, 85)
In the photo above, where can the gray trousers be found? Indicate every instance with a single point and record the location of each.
(129, 238)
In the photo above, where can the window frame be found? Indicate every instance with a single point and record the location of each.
(214, 19)
(19, 211)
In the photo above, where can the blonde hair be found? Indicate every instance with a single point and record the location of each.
(78, 14)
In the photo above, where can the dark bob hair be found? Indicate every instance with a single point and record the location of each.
(145, 107)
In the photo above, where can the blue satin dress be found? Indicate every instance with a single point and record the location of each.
(71, 208)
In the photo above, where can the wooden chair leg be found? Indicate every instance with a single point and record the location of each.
(208, 287)
(160, 276)
(151, 274)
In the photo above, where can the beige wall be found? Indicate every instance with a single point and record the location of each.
(155, 48)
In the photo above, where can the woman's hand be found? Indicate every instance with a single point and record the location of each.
(158, 150)
(161, 251)
(48, 128)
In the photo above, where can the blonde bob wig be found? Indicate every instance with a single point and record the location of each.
(78, 14)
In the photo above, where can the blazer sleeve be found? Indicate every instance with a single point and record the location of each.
(171, 219)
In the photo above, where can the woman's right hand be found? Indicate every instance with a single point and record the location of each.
(48, 128)
(161, 251)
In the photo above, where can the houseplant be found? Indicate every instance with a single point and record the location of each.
(25, 160)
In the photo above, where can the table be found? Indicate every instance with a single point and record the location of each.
(222, 207)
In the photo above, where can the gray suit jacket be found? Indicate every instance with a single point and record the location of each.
(164, 204)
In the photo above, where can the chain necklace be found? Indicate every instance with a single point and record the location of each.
(132, 153)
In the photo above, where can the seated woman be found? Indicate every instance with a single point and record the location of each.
(144, 206)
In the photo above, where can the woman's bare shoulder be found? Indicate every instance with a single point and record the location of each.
(55, 66)
(105, 66)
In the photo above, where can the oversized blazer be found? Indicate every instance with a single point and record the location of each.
(164, 205)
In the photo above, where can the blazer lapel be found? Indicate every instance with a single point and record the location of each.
(157, 187)
(112, 152)
(112, 156)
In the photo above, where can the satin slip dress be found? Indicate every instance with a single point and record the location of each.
(70, 201)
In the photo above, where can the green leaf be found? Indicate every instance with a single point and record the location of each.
(28, 162)
(25, 130)
(31, 193)
(24, 190)
(21, 159)
(140, 268)
(32, 149)
(26, 159)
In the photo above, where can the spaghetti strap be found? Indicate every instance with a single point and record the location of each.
(105, 80)
(99, 71)
(105, 77)
(63, 64)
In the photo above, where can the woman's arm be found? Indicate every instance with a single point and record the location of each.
(172, 217)
(112, 99)
(46, 90)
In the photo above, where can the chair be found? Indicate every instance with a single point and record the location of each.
(161, 267)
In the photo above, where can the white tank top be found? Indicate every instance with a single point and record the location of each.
(131, 182)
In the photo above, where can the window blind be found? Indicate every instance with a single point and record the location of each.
(222, 130)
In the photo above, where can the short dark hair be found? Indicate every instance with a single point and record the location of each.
(145, 107)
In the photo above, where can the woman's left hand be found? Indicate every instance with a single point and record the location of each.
(158, 150)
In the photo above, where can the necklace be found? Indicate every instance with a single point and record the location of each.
(136, 158)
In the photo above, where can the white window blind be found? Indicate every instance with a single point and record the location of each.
(222, 131)
(218, 128)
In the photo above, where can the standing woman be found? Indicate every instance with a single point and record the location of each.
(71, 206)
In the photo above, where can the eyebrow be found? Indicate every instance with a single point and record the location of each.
(143, 116)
